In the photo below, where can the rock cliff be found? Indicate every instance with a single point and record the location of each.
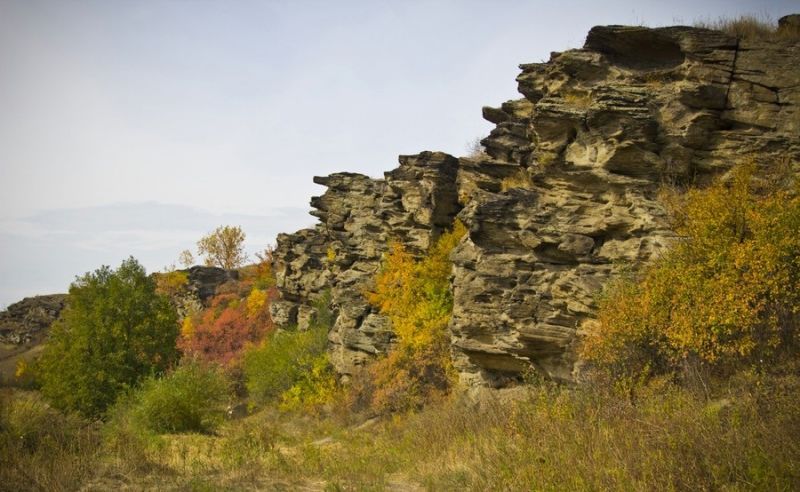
(565, 195)
(28, 320)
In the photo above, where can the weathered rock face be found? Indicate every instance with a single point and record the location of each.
(29, 319)
(359, 217)
(599, 131)
(204, 280)
(566, 195)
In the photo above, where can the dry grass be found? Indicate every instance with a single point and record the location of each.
(751, 27)
(40, 448)
(519, 180)
(665, 438)
(476, 150)
(556, 439)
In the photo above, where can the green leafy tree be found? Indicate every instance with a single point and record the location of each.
(224, 247)
(115, 331)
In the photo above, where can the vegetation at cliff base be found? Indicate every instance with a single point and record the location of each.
(291, 366)
(115, 331)
(726, 295)
(192, 398)
(415, 295)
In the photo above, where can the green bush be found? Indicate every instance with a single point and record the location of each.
(193, 398)
(287, 357)
(115, 331)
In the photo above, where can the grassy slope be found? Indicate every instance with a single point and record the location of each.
(543, 438)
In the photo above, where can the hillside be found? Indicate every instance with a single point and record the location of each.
(604, 296)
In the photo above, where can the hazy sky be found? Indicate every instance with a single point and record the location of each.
(134, 127)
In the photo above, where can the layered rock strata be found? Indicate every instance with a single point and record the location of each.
(565, 196)
(28, 320)
(359, 217)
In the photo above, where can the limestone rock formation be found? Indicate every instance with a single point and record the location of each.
(29, 319)
(204, 280)
(359, 216)
(566, 195)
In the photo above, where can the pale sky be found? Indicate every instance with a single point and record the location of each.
(135, 127)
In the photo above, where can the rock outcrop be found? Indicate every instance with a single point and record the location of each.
(359, 217)
(565, 196)
(29, 319)
(204, 280)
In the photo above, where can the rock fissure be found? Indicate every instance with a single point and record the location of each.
(733, 73)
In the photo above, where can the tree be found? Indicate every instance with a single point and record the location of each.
(186, 258)
(726, 295)
(115, 331)
(414, 293)
(224, 247)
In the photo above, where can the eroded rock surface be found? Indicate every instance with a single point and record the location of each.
(203, 281)
(566, 195)
(359, 217)
(29, 319)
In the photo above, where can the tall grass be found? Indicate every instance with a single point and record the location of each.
(663, 437)
(588, 439)
(751, 27)
(40, 447)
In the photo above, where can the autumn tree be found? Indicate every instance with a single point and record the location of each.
(186, 258)
(220, 333)
(224, 247)
(728, 293)
(414, 293)
(115, 331)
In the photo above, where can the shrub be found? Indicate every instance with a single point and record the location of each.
(192, 398)
(265, 271)
(42, 448)
(115, 331)
(171, 283)
(220, 333)
(726, 294)
(415, 295)
(288, 358)
(314, 388)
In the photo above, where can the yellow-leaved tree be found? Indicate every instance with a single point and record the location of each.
(727, 293)
(415, 294)
(224, 247)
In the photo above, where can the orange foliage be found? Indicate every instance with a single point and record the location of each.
(222, 331)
